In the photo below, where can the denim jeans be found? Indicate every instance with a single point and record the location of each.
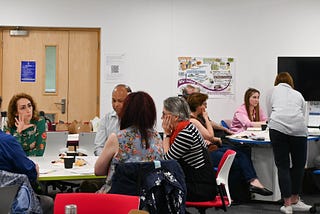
(284, 146)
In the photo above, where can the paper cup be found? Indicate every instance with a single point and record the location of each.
(264, 127)
(68, 162)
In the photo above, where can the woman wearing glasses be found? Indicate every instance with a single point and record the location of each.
(184, 143)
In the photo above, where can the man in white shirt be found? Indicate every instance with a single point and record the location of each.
(110, 122)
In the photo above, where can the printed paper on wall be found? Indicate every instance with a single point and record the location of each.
(213, 76)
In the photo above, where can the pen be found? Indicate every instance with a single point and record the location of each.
(47, 172)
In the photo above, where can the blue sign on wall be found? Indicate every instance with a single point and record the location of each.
(28, 71)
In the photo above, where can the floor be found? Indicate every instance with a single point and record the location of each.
(256, 207)
(252, 207)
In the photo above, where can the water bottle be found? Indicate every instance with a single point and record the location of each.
(3, 121)
(41, 114)
(70, 209)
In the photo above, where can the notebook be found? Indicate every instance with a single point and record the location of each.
(313, 131)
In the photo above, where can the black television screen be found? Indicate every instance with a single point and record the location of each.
(305, 72)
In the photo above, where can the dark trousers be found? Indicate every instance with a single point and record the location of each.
(284, 146)
(46, 204)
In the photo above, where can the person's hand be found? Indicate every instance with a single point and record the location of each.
(217, 141)
(167, 125)
(32, 145)
(207, 142)
(205, 115)
(228, 131)
(20, 123)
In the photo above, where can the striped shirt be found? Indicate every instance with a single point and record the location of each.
(188, 146)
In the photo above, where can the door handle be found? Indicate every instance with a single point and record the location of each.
(63, 105)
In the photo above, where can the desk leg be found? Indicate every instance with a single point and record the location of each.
(263, 161)
(312, 152)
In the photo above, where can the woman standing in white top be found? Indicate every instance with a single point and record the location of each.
(288, 135)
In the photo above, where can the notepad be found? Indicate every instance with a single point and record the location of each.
(254, 129)
(46, 171)
(313, 131)
(82, 171)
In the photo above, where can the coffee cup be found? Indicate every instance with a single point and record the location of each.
(264, 127)
(68, 162)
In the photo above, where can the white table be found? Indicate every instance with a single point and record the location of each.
(263, 159)
(50, 171)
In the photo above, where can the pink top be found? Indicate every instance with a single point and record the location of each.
(241, 121)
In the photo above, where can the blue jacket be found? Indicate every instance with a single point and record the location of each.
(14, 159)
(17, 168)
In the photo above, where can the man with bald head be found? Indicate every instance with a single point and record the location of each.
(110, 122)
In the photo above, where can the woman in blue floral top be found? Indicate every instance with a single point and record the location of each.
(137, 140)
(25, 124)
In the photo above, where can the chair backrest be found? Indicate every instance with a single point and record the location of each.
(227, 155)
(96, 203)
(226, 123)
(25, 199)
(224, 169)
(8, 194)
(86, 142)
(55, 143)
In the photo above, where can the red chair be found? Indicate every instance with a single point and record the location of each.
(96, 203)
(221, 201)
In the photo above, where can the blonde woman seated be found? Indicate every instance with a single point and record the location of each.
(137, 139)
(249, 114)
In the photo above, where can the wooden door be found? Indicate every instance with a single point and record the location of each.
(83, 75)
(1, 33)
(76, 66)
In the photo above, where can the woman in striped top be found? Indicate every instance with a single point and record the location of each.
(184, 143)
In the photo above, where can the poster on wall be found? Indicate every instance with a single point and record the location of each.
(28, 71)
(114, 67)
(213, 76)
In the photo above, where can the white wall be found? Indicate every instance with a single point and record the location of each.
(153, 33)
